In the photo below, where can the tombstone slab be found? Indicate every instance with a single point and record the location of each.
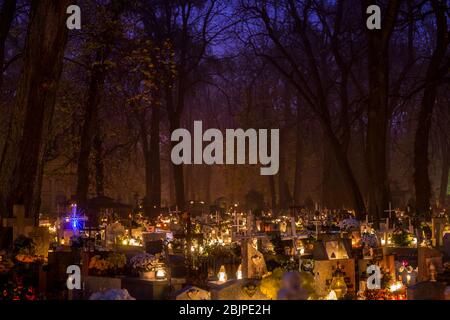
(323, 274)
(427, 290)
(192, 293)
(237, 290)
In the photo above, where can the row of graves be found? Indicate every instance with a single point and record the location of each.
(229, 256)
(117, 258)
(332, 256)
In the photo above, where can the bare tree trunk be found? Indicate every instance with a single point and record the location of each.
(282, 192)
(178, 175)
(6, 18)
(208, 176)
(421, 161)
(90, 121)
(298, 160)
(326, 176)
(155, 159)
(347, 173)
(273, 194)
(95, 93)
(378, 111)
(23, 151)
(283, 188)
(34, 204)
(444, 176)
(99, 164)
(171, 183)
(315, 97)
(187, 183)
(147, 163)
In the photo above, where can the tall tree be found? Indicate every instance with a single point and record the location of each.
(295, 55)
(98, 71)
(445, 171)
(378, 111)
(186, 25)
(298, 175)
(434, 74)
(23, 152)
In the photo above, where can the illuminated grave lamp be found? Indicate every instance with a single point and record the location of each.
(408, 279)
(302, 250)
(239, 272)
(160, 273)
(396, 286)
(331, 296)
(338, 284)
(222, 274)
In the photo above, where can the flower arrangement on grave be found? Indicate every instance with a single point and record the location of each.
(349, 224)
(112, 264)
(369, 239)
(402, 238)
(381, 294)
(386, 292)
(24, 251)
(144, 262)
(221, 252)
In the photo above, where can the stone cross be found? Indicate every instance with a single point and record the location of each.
(293, 227)
(317, 223)
(389, 211)
(245, 243)
(236, 225)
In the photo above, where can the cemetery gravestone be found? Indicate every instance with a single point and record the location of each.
(425, 257)
(323, 274)
(256, 263)
(41, 238)
(237, 290)
(447, 244)
(427, 290)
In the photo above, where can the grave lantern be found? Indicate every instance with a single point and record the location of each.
(222, 274)
(338, 284)
(160, 273)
